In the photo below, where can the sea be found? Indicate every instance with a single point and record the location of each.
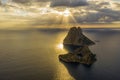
(33, 55)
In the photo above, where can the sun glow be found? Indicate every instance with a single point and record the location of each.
(66, 13)
(60, 46)
(65, 17)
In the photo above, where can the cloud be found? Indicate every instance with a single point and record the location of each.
(22, 1)
(39, 12)
(101, 12)
(68, 3)
(29, 1)
(4, 2)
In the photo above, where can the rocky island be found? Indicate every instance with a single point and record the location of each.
(77, 45)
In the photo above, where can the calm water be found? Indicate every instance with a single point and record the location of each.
(33, 55)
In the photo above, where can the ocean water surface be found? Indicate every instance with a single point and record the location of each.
(33, 55)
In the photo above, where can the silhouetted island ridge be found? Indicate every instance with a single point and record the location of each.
(77, 46)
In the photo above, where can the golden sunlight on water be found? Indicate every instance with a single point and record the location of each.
(61, 71)
(60, 46)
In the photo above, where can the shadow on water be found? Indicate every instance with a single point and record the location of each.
(78, 71)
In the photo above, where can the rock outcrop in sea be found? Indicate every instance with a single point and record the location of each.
(77, 45)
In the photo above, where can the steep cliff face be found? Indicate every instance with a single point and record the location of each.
(79, 42)
(76, 37)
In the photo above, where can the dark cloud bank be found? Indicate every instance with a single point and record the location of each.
(69, 3)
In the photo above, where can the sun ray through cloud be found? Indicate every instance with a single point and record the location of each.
(42, 12)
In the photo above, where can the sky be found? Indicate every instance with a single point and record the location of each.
(39, 13)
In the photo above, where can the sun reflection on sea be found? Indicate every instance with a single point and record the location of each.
(59, 47)
(61, 71)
